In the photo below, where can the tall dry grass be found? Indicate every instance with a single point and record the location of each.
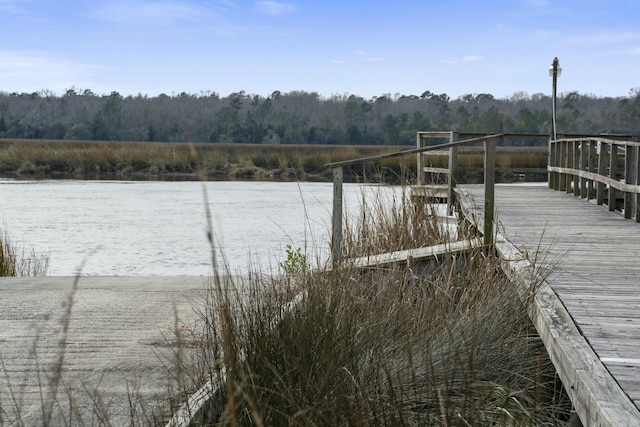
(450, 346)
(84, 159)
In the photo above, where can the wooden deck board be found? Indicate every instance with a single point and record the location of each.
(411, 255)
(593, 259)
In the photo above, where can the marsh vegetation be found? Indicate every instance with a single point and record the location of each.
(445, 343)
(89, 159)
(448, 343)
(17, 262)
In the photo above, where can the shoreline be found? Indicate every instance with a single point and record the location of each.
(134, 161)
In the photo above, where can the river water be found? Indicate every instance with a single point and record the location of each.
(159, 228)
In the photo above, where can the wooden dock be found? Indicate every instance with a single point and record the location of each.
(589, 315)
(587, 308)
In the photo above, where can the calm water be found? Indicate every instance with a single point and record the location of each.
(159, 228)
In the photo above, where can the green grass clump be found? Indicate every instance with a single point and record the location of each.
(18, 263)
(448, 343)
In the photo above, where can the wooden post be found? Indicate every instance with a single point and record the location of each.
(569, 164)
(613, 166)
(452, 179)
(562, 162)
(489, 189)
(420, 161)
(591, 165)
(637, 182)
(630, 177)
(577, 164)
(602, 171)
(584, 165)
(336, 219)
(551, 176)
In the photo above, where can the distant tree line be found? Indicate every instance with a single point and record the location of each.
(300, 117)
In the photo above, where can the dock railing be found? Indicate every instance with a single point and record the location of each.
(600, 169)
(489, 143)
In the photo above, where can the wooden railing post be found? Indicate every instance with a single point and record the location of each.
(489, 189)
(562, 162)
(577, 161)
(591, 165)
(551, 176)
(336, 219)
(613, 166)
(630, 177)
(637, 182)
(584, 165)
(420, 161)
(602, 171)
(451, 182)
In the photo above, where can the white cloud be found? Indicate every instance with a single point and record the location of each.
(32, 70)
(604, 38)
(468, 58)
(363, 57)
(538, 3)
(274, 8)
(157, 13)
(12, 6)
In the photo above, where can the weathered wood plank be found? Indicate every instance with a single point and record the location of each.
(412, 255)
(595, 277)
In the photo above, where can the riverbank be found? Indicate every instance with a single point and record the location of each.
(41, 159)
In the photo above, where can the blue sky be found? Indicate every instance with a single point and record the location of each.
(367, 48)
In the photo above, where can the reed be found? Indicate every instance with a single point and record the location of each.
(16, 262)
(446, 345)
(88, 159)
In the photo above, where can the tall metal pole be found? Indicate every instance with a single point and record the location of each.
(554, 70)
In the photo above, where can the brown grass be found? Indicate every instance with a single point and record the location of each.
(87, 159)
(449, 344)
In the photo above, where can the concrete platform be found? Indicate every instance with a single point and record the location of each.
(118, 347)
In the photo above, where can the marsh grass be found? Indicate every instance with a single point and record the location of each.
(29, 158)
(15, 262)
(450, 346)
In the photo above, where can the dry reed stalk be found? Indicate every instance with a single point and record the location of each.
(451, 346)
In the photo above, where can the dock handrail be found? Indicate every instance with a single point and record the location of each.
(489, 182)
(598, 168)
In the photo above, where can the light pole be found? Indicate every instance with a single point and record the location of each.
(554, 73)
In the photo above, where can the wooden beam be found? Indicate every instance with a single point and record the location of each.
(613, 164)
(597, 398)
(602, 168)
(420, 161)
(453, 175)
(630, 177)
(336, 218)
(412, 255)
(489, 189)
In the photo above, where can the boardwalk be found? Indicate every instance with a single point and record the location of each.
(115, 351)
(594, 256)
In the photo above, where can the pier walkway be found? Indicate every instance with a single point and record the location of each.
(587, 306)
(592, 261)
